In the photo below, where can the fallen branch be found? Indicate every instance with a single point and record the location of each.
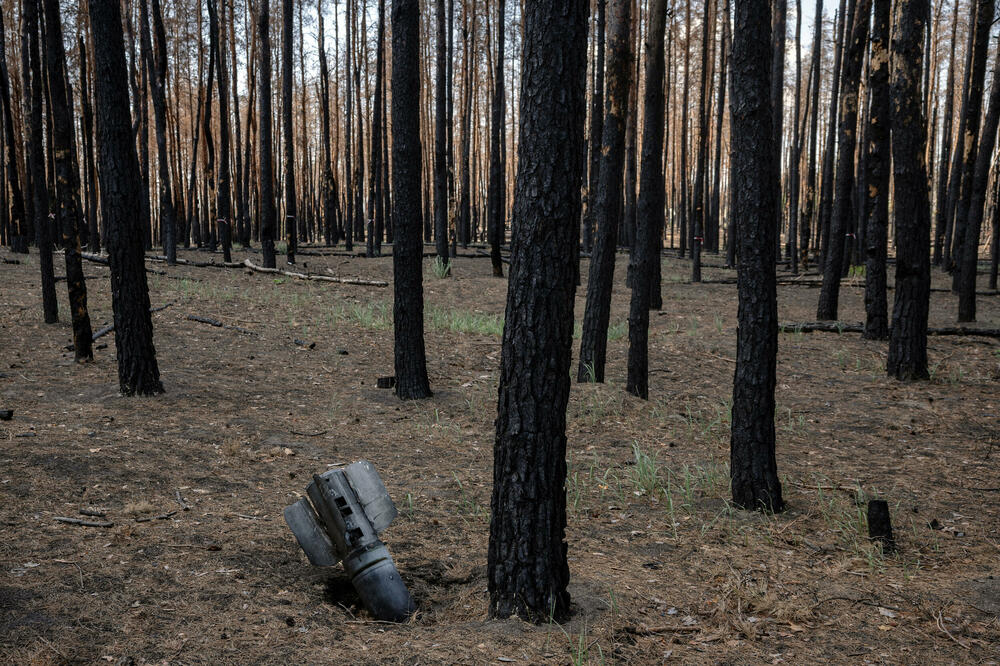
(840, 327)
(196, 264)
(308, 434)
(219, 324)
(162, 516)
(84, 523)
(310, 276)
(101, 332)
(93, 513)
(649, 631)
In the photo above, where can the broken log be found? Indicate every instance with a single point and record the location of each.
(6, 414)
(840, 327)
(311, 276)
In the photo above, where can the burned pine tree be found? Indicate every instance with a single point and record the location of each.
(328, 185)
(67, 185)
(596, 126)
(701, 163)
(223, 212)
(594, 341)
(118, 171)
(441, 130)
(810, 203)
(407, 254)
(941, 206)
(968, 265)
(291, 211)
(31, 84)
(496, 214)
(878, 165)
(753, 468)
(649, 216)
(911, 206)
(829, 296)
(375, 184)
(18, 217)
(268, 214)
(527, 567)
(90, 169)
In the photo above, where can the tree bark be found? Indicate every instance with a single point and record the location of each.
(941, 200)
(594, 342)
(18, 220)
(223, 211)
(829, 296)
(649, 216)
(66, 181)
(908, 336)
(811, 159)
(498, 185)
(528, 571)
(268, 214)
(878, 165)
(441, 130)
(138, 372)
(291, 210)
(753, 468)
(408, 290)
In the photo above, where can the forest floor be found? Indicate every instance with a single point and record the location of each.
(663, 568)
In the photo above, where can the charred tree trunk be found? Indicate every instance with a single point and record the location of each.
(32, 86)
(121, 187)
(291, 210)
(877, 192)
(941, 200)
(826, 192)
(844, 184)
(594, 342)
(968, 137)
(809, 213)
(684, 211)
(223, 211)
(528, 571)
(408, 290)
(753, 469)
(795, 157)
(441, 130)
(701, 167)
(908, 336)
(715, 209)
(94, 242)
(268, 214)
(375, 207)
(649, 216)
(977, 206)
(498, 185)
(18, 220)
(596, 129)
(779, 19)
(67, 181)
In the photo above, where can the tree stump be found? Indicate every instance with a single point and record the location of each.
(880, 525)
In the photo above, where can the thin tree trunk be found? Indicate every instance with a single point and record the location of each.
(594, 341)
(877, 191)
(796, 152)
(18, 221)
(811, 163)
(498, 184)
(67, 181)
(268, 214)
(649, 216)
(941, 200)
(291, 210)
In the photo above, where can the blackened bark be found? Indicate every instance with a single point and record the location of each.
(715, 209)
(684, 213)
(795, 158)
(779, 15)
(375, 208)
(288, 139)
(810, 195)
(496, 196)
(31, 83)
(465, 196)
(528, 571)
(977, 206)
(328, 189)
(753, 467)
(223, 211)
(441, 130)
(268, 214)
(18, 220)
(843, 208)
(408, 290)
(968, 138)
(908, 337)
(66, 181)
(94, 236)
(121, 187)
(596, 128)
(827, 184)
(649, 216)
(995, 252)
(594, 342)
(701, 165)
(941, 204)
(877, 165)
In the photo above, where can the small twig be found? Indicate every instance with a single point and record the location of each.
(180, 500)
(83, 523)
(308, 434)
(649, 631)
(940, 624)
(162, 516)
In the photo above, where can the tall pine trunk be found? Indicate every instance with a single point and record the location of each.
(877, 165)
(268, 214)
